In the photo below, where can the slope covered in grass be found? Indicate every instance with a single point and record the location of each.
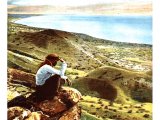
(81, 51)
(116, 84)
(101, 109)
(102, 70)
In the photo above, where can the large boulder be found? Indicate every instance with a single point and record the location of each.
(19, 113)
(18, 76)
(62, 107)
(21, 106)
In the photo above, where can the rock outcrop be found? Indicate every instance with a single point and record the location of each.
(62, 107)
(21, 106)
(21, 77)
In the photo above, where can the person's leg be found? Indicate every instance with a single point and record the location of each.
(20, 101)
(50, 87)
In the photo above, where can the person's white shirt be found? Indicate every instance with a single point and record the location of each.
(46, 71)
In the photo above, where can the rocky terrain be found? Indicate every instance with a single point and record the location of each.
(114, 78)
(62, 107)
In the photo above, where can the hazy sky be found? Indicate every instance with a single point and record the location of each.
(69, 2)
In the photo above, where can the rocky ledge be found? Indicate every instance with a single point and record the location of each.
(61, 107)
(64, 106)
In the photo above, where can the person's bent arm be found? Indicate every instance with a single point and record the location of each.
(58, 72)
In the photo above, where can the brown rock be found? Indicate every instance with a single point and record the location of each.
(73, 94)
(37, 116)
(72, 114)
(18, 76)
(18, 113)
(52, 106)
(67, 98)
(63, 106)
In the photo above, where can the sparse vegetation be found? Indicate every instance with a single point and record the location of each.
(115, 78)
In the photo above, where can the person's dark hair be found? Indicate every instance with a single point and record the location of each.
(52, 57)
(49, 59)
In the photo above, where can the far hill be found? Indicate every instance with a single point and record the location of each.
(82, 52)
(138, 8)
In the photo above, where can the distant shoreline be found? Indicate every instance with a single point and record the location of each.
(39, 14)
(21, 16)
(132, 29)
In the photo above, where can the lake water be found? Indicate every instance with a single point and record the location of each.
(134, 29)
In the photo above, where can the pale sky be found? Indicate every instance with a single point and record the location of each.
(69, 2)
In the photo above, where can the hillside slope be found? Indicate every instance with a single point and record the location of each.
(81, 52)
(102, 70)
(116, 93)
(116, 84)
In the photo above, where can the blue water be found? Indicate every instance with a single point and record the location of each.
(134, 29)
